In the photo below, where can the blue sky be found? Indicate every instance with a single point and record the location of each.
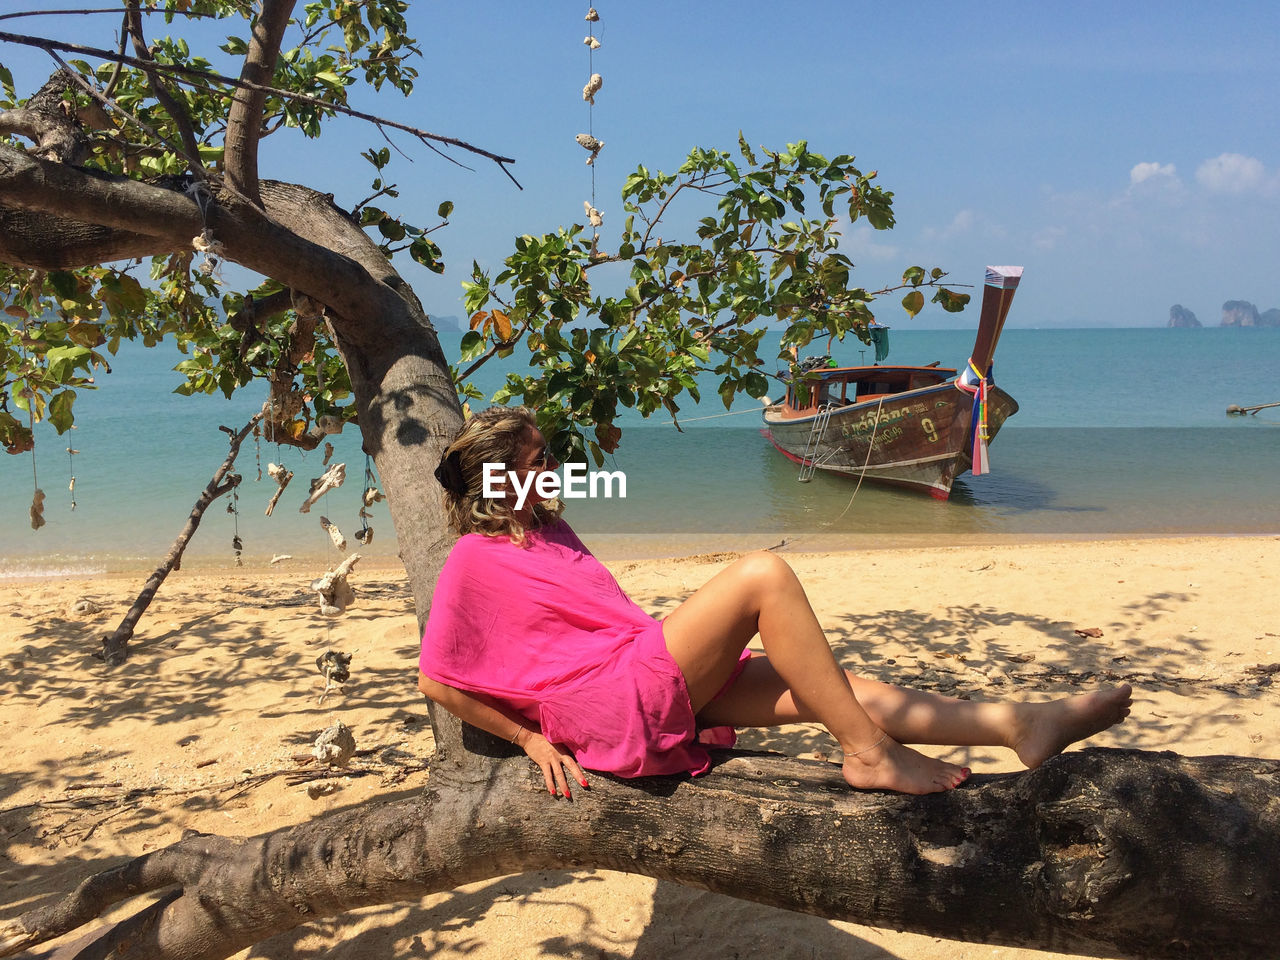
(1125, 153)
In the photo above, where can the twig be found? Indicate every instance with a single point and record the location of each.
(188, 74)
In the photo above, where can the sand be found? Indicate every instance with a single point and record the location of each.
(206, 725)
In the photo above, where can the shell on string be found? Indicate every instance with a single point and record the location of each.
(592, 15)
(335, 593)
(334, 666)
(37, 509)
(372, 495)
(592, 88)
(328, 453)
(594, 216)
(332, 478)
(334, 533)
(335, 746)
(281, 476)
(591, 42)
(588, 142)
(365, 535)
(329, 424)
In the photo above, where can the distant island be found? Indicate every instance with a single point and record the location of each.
(1235, 313)
(452, 324)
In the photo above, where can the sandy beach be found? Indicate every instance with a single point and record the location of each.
(203, 728)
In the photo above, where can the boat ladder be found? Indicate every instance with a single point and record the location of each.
(809, 463)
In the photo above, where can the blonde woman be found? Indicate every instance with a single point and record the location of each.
(530, 638)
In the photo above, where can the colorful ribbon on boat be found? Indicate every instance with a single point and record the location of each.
(979, 434)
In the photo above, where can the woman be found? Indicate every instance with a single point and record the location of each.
(530, 638)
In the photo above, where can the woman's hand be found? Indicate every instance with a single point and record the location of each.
(557, 765)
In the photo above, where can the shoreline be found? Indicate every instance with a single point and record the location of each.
(608, 548)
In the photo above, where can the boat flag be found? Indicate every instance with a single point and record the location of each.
(972, 381)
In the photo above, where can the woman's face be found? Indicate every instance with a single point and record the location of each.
(533, 456)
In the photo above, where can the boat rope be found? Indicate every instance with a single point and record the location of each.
(871, 444)
(717, 416)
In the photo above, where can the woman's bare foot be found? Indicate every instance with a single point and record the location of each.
(1044, 730)
(891, 766)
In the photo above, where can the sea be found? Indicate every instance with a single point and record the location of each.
(1120, 433)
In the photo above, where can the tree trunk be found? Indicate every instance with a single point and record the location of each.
(115, 645)
(1109, 852)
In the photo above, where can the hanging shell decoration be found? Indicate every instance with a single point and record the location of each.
(334, 666)
(334, 533)
(592, 88)
(37, 510)
(328, 453)
(588, 142)
(214, 253)
(282, 476)
(592, 15)
(335, 593)
(365, 535)
(591, 42)
(594, 216)
(329, 424)
(335, 746)
(372, 495)
(332, 478)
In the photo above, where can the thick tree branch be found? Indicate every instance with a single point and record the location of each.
(174, 107)
(266, 244)
(1102, 852)
(244, 121)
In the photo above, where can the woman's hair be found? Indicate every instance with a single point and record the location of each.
(491, 436)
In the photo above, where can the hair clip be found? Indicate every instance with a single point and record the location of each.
(449, 473)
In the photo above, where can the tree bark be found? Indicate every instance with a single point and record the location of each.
(115, 645)
(1105, 852)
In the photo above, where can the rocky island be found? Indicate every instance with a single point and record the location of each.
(1235, 313)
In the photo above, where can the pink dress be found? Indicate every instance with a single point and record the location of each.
(546, 630)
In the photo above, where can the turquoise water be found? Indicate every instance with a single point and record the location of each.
(1119, 432)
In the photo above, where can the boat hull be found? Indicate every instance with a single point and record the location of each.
(917, 439)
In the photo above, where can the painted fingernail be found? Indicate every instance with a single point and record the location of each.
(583, 781)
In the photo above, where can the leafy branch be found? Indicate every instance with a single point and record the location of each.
(687, 308)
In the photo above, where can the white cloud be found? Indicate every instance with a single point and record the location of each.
(1147, 171)
(859, 243)
(962, 223)
(1232, 173)
(1047, 238)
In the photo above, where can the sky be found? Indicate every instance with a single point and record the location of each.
(1126, 154)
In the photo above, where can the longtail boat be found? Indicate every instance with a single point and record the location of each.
(915, 427)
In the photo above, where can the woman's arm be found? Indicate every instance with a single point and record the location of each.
(508, 725)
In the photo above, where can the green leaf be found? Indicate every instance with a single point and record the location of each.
(756, 384)
(444, 210)
(60, 414)
(63, 361)
(472, 345)
(913, 302)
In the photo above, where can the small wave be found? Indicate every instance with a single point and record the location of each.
(50, 571)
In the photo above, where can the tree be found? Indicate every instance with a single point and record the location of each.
(153, 156)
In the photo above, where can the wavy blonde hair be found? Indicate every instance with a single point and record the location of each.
(494, 435)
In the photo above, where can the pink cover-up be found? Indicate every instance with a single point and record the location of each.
(546, 630)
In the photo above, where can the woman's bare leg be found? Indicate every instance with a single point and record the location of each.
(760, 594)
(1036, 731)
